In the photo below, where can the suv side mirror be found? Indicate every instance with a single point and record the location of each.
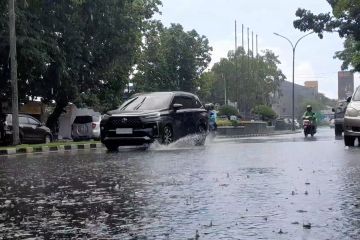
(348, 99)
(207, 106)
(177, 106)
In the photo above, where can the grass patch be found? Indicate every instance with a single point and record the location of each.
(223, 123)
(50, 145)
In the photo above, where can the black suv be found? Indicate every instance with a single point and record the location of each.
(166, 116)
(30, 130)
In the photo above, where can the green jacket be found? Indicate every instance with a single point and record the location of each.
(310, 114)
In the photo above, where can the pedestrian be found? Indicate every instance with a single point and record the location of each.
(212, 118)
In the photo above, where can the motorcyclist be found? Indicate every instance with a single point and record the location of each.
(309, 114)
(212, 118)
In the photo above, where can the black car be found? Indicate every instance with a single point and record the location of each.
(339, 112)
(30, 130)
(144, 118)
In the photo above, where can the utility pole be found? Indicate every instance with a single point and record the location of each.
(257, 46)
(224, 89)
(242, 36)
(252, 44)
(14, 85)
(236, 68)
(247, 80)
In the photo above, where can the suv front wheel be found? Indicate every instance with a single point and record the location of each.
(168, 135)
(112, 147)
(338, 129)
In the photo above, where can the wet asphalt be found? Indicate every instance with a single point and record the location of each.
(275, 187)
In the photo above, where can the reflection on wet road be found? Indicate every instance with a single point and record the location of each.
(278, 187)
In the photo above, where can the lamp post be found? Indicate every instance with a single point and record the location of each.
(293, 73)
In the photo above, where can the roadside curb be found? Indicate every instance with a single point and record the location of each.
(46, 149)
(258, 135)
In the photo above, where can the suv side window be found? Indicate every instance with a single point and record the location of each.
(357, 95)
(196, 103)
(33, 121)
(23, 120)
(185, 101)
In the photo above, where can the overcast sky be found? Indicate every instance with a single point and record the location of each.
(215, 19)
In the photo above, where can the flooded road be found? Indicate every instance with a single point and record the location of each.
(276, 187)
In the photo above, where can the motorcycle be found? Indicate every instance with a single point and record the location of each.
(212, 129)
(309, 126)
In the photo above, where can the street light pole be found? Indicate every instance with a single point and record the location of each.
(293, 72)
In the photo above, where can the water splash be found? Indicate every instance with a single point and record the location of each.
(187, 142)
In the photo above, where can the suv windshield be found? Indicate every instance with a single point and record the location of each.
(357, 95)
(148, 102)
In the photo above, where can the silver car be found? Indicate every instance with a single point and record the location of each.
(81, 129)
(352, 119)
(96, 127)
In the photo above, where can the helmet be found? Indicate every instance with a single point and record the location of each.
(308, 108)
(210, 106)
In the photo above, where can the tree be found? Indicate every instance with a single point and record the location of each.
(266, 113)
(228, 110)
(172, 59)
(83, 56)
(205, 86)
(344, 19)
(249, 81)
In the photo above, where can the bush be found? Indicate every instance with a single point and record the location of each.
(265, 112)
(228, 110)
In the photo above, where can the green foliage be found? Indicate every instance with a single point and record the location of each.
(206, 83)
(172, 59)
(71, 48)
(345, 20)
(265, 112)
(228, 110)
(222, 123)
(249, 80)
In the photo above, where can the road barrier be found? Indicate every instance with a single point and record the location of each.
(245, 128)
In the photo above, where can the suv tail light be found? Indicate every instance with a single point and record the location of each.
(93, 125)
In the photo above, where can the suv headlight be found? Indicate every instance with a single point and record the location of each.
(105, 117)
(152, 115)
(351, 112)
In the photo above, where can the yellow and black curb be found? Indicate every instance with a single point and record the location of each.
(46, 149)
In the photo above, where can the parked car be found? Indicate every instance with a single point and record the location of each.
(283, 124)
(96, 127)
(82, 128)
(31, 130)
(339, 112)
(352, 119)
(162, 116)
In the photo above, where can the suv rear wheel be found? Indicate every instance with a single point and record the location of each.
(349, 141)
